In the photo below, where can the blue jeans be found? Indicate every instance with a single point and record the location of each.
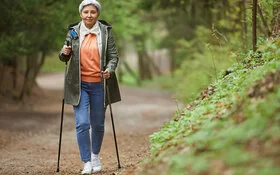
(91, 99)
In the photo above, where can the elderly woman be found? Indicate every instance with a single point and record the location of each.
(93, 58)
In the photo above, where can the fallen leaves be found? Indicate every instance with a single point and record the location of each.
(265, 86)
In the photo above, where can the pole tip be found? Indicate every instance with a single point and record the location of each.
(57, 170)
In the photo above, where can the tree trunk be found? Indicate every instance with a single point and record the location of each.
(152, 65)
(193, 12)
(268, 33)
(33, 65)
(15, 69)
(207, 12)
(254, 29)
(245, 29)
(275, 22)
(144, 68)
(120, 72)
(39, 64)
(145, 71)
(131, 72)
(24, 89)
(2, 72)
(172, 61)
(242, 19)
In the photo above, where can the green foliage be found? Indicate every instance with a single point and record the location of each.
(230, 130)
(199, 52)
(201, 59)
(40, 27)
(124, 17)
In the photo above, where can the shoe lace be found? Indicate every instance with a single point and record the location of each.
(87, 166)
(95, 161)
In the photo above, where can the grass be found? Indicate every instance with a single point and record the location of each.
(53, 64)
(233, 129)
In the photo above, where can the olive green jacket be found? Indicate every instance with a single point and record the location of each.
(109, 60)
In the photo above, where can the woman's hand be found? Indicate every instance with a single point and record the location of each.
(66, 50)
(106, 74)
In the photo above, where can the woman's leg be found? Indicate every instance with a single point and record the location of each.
(83, 124)
(97, 116)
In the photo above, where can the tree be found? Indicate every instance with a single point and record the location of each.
(33, 37)
(127, 20)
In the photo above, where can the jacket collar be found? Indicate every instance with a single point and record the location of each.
(104, 27)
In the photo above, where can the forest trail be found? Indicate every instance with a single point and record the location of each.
(29, 133)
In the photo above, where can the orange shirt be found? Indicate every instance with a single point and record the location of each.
(90, 61)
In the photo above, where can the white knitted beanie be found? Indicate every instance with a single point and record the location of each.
(90, 2)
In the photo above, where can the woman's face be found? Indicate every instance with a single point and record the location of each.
(89, 15)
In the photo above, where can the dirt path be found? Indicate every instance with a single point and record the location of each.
(29, 133)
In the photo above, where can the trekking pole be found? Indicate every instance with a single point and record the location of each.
(62, 114)
(112, 119)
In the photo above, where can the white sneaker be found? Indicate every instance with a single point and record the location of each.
(96, 165)
(87, 168)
